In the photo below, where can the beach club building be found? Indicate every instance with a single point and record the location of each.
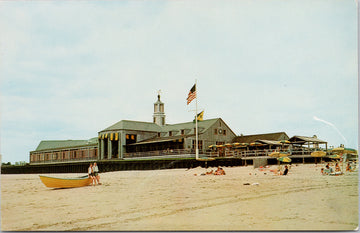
(134, 139)
(128, 139)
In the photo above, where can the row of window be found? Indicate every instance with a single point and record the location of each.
(216, 132)
(64, 155)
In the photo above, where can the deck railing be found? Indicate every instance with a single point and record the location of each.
(184, 153)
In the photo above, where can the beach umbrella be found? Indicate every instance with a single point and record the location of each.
(318, 154)
(342, 150)
(255, 144)
(335, 156)
(284, 141)
(284, 159)
(236, 144)
(228, 145)
(338, 150)
(277, 154)
(350, 151)
(212, 146)
(244, 144)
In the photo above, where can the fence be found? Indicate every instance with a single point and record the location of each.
(169, 152)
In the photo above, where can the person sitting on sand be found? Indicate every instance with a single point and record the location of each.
(219, 171)
(286, 170)
(348, 167)
(328, 170)
(337, 168)
(222, 172)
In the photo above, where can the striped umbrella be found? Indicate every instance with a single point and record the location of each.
(335, 156)
(256, 144)
(284, 159)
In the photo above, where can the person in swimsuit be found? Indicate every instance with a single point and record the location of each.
(91, 174)
(286, 170)
(96, 173)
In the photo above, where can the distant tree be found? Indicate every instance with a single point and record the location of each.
(20, 163)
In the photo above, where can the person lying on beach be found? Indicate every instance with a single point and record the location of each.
(219, 171)
(207, 173)
(210, 172)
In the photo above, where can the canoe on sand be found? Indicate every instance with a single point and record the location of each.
(54, 182)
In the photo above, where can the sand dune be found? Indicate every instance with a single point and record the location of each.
(178, 200)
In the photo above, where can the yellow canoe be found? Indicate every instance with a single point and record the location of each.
(53, 182)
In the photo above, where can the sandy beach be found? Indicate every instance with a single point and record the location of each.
(178, 199)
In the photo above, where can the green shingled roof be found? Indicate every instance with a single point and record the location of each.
(57, 144)
(147, 126)
(134, 125)
(205, 124)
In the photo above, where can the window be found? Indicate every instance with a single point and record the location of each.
(200, 144)
(182, 131)
(215, 131)
(159, 134)
(170, 133)
(224, 131)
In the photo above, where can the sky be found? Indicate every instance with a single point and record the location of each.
(69, 69)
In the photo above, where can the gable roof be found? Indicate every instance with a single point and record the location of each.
(134, 125)
(152, 127)
(205, 124)
(269, 136)
(57, 144)
(304, 139)
(269, 142)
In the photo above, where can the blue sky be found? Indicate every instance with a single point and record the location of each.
(72, 68)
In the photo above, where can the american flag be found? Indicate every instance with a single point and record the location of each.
(192, 94)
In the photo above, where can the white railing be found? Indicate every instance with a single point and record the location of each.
(158, 153)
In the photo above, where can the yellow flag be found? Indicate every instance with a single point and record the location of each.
(200, 116)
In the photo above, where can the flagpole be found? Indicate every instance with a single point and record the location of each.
(196, 124)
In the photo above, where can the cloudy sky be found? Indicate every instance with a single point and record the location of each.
(72, 68)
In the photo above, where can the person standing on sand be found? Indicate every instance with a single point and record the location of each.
(91, 174)
(96, 173)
